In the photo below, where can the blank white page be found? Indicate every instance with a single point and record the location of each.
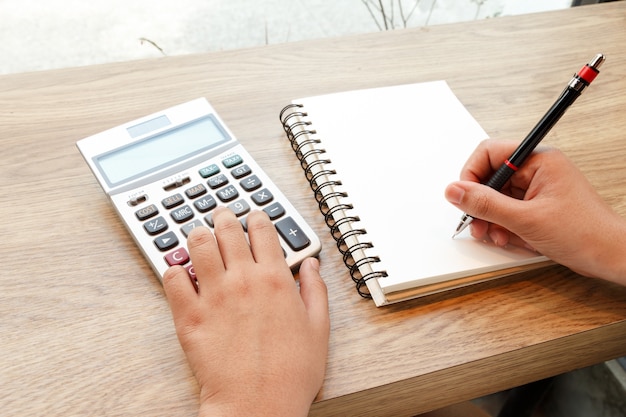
(395, 149)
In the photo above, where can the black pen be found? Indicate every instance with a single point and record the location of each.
(582, 79)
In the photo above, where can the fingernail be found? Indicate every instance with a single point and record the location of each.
(497, 237)
(314, 263)
(455, 194)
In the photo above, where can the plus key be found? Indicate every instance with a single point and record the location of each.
(289, 230)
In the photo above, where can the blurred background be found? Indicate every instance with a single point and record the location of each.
(46, 34)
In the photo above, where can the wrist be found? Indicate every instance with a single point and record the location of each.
(609, 255)
(245, 406)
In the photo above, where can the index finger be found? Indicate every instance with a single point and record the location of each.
(205, 255)
(231, 238)
(486, 159)
(264, 238)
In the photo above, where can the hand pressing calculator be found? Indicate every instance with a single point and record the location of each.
(166, 173)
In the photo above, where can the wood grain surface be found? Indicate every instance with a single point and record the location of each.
(85, 326)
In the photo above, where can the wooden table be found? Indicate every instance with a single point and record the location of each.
(85, 326)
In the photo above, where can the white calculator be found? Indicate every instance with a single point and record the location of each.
(167, 172)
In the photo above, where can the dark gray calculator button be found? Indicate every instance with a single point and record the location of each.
(195, 191)
(239, 207)
(172, 201)
(275, 211)
(182, 214)
(289, 230)
(228, 194)
(217, 181)
(251, 183)
(205, 204)
(186, 229)
(155, 226)
(166, 241)
(147, 212)
(262, 197)
(231, 161)
(241, 171)
(206, 172)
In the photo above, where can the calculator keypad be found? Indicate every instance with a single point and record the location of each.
(193, 207)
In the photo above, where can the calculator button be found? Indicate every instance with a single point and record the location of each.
(192, 276)
(178, 257)
(228, 194)
(289, 230)
(147, 212)
(205, 204)
(166, 241)
(251, 183)
(186, 229)
(241, 171)
(172, 201)
(262, 197)
(196, 191)
(182, 214)
(232, 161)
(217, 181)
(239, 207)
(209, 220)
(155, 226)
(206, 172)
(275, 211)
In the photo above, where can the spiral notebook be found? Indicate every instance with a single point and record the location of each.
(378, 161)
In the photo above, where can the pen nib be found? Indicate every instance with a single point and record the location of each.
(465, 221)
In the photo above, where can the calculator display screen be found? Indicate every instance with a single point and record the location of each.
(159, 151)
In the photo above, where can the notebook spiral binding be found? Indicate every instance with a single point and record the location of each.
(330, 201)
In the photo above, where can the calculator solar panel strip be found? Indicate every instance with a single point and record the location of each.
(165, 174)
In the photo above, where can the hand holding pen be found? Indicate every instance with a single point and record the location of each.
(548, 206)
(574, 88)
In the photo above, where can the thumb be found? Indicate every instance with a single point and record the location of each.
(485, 203)
(314, 293)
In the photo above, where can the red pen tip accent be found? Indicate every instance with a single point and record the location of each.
(588, 73)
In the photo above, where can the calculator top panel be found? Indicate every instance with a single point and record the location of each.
(155, 146)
